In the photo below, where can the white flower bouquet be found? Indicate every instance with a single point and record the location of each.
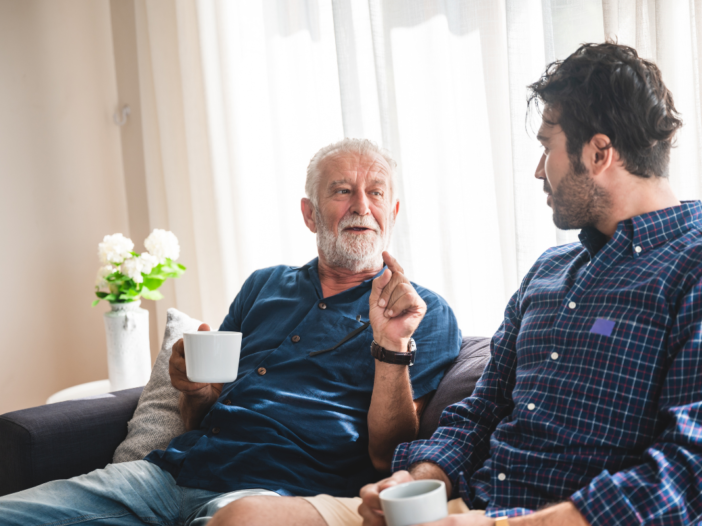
(126, 276)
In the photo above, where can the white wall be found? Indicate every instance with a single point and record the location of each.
(61, 190)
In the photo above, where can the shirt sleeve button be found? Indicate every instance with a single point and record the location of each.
(554, 356)
(501, 476)
(261, 371)
(322, 306)
(638, 250)
(215, 431)
(571, 305)
(295, 339)
(531, 407)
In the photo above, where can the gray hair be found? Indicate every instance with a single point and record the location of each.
(348, 145)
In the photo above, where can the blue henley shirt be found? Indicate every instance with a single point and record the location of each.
(293, 423)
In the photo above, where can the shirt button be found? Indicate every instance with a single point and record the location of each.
(571, 305)
(295, 339)
(227, 402)
(322, 306)
(554, 356)
(531, 407)
(261, 371)
(215, 431)
(638, 249)
(501, 476)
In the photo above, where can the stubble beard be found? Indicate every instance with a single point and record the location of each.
(351, 251)
(579, 202)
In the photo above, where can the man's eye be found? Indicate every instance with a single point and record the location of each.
(342, 191)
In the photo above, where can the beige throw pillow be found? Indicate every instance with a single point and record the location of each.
(156, 420)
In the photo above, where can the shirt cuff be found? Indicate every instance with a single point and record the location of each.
(602, 502)
(444, 453)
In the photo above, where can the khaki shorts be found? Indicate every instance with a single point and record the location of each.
(344, 512)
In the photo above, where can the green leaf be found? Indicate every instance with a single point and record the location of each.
(101, 295)
(152, 283)
(130, 294)
(182, 267)
(96, 302)
(111, 298)
(151, 294)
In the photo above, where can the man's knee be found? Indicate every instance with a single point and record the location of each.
(242, 512)
(264, 511)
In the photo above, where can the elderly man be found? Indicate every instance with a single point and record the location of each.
(591, 404)
(325, 389)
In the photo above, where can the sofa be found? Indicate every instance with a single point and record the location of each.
(71, 438)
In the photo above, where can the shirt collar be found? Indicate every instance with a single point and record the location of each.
(312, 268)
(649, 230)
(661, 226)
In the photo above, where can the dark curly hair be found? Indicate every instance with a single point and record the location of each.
(607, 88)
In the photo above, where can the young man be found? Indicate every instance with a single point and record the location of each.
(325, 390)
(590, 409)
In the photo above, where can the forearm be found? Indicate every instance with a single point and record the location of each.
(431, 471)
(194, 407)
(392, 417)
(562, 514)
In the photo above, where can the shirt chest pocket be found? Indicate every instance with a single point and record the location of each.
(626, 353)
(346, 357)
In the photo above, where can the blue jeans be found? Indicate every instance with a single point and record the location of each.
(127, 494)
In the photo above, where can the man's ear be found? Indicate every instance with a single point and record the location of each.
(397, 208)
(308, 214)
(599, 154)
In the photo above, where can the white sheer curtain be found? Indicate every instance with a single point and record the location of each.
(439, 83)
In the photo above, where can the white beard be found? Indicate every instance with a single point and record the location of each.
(351, 251)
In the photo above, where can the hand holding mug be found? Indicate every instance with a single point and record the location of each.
(370, 509)
(179, 377)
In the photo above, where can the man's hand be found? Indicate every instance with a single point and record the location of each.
(370, 508)
(395, 307)
(179, 378)
(196, 398)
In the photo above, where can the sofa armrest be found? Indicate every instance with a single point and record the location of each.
(62, 440)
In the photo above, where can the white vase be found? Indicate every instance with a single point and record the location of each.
(128, 354)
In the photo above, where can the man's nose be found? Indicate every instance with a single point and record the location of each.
(360, 204)
(540, 172)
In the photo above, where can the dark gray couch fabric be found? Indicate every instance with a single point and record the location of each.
(62, 440)
(458, 382)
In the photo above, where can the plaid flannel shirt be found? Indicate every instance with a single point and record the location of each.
(593, 391)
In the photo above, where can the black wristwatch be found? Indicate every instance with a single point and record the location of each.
(399, 358)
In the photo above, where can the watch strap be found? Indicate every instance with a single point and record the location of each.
(399, 358)
(502, 521)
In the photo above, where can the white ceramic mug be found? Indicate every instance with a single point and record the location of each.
(414, 502)
(212, 356)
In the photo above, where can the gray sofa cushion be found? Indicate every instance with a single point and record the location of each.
(62, 440)
(458, 382)
(157, 420)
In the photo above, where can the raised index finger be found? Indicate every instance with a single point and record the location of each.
(392, 263)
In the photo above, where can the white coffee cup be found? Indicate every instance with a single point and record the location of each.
(212, 356)
(414, 502)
